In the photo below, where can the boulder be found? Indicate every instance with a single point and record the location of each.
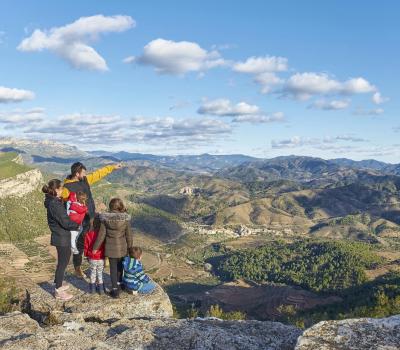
(42, 306)
(362, 333)
(21, 332)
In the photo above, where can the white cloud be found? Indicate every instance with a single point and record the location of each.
(320, 143)
(378, 99)
(303, 86)
(177, 57)
(330, 105)
(15, 95)
(20, 118)
(375, 111)
(241, 112)
(70, 42)
(267, 81)
(259, 119)
(258, 65)
(224, 107)
(113, 129)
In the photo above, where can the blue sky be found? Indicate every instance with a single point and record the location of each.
(263, 78)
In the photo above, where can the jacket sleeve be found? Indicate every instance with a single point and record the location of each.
(59, 213)
(86, 244)
(80, 209)
(129, 235)
(100, 237)
(99, 174)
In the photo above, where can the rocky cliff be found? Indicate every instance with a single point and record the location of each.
(21, 184)
(145, 322)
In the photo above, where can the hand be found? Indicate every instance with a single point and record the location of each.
(94, 251)
(119, 166)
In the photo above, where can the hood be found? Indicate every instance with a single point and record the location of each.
(115, 216)
(72, 197)
(48, 199)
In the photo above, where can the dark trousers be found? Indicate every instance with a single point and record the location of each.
(115, 271)
(63, 256)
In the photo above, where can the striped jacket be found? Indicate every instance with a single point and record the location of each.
(134, 276)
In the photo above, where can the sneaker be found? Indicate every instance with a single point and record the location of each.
(79, 272)
(92, 288)
(100, 288)
(131, 292)
(114, 293)
(63, 288)
(62, 295)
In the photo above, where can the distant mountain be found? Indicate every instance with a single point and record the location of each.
(199, 163)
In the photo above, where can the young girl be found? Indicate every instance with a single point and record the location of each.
(76, 209)
(115, 231)
(60, 226)
(135, 280)
(96, 260)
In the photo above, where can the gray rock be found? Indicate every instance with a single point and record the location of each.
(43, 307)
(362, 333)
(24, 333)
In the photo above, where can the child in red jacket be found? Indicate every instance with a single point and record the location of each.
(96, 260)
(77, 210)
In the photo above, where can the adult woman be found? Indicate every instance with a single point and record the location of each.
(60, 226)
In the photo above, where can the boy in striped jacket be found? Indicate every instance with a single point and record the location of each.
(134, 278)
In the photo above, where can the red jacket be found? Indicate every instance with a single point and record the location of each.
(77, 211)
(90, 238)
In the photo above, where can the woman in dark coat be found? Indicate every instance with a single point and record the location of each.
(60, 226)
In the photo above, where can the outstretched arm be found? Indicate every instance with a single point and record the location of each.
(100, 173)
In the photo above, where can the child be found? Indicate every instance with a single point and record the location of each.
(115, 231)
(134, 278)
(76, 210)
(96, 260)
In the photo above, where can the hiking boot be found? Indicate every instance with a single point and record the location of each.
(79, 272)
(62, 295)
(92, 288)
(100, 288)
(114, 293)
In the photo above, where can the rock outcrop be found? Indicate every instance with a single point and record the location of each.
(18, 331)
(363, 333)
(43, 307)
(21, 184)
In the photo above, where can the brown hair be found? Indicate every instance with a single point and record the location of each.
(135, 252)
(81, 197)
(51, 187)
(116, 204)
(96, 222)
(76, 168)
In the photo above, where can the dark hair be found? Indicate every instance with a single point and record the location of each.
(81, 197)
(135, 252)
(51, 187)
(116, 204)
(96, 222)
(76, 168)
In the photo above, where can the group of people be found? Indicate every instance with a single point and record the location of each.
(77, 229)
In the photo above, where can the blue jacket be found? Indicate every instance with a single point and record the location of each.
(133, 276)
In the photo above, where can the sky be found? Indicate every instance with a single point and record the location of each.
(263, 78)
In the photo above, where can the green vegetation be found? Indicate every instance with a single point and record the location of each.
(378, 298)
(10, 168)
(22, 218)
(8, 295)
(317, 266)
(216, 311)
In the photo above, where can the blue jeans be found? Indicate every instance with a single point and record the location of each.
(147, 287)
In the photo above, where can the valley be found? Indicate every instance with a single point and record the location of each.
(306, 217)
